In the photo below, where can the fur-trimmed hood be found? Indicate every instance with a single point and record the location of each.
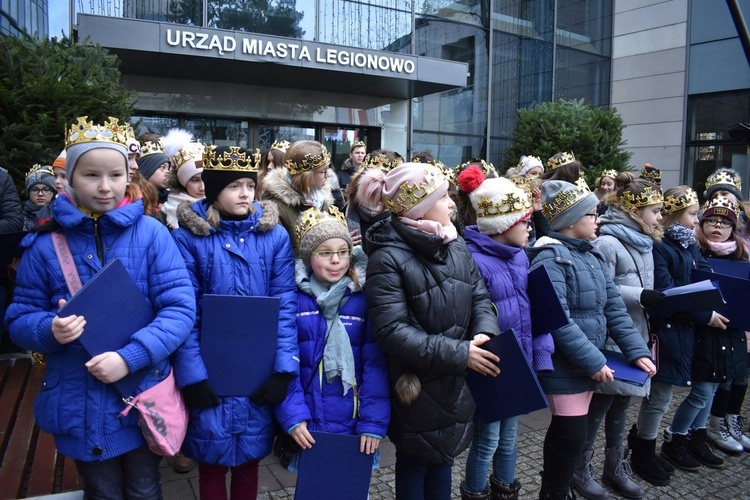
(358, 263)
(193, 217)
(276, 185)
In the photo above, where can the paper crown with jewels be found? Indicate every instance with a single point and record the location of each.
(565, 158)
(358, 144)
(236, 159)
(724, 177)
(488, 169)
(581, 183)
(675, 203)
(649, 196)
(651, 174)
(280, 145)
(313, 217)
(111, 131)
(522, 182)
(502, 204)
(39, 169)
(151, 148)
(309, 162)
(193, 151)
(564, 199)
(611, 173)
(409, 194)
(381, 161)
(721, 205)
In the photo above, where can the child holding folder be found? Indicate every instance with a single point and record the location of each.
(233, 245)
(343, 383)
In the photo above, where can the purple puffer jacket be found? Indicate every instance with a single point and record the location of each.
(505, 271)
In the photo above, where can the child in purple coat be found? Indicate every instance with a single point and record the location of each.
(497, 244)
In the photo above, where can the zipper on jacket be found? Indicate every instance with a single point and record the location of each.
(355, 413)
(98, 240)
(320, 373)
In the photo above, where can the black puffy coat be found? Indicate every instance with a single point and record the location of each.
(11, 218)
(426, 301)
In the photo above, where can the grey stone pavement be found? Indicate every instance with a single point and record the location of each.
(732, 482)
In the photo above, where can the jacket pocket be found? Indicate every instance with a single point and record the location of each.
(47, 404)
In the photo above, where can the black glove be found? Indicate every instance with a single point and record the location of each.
(273, 391)
(652, 299)
(200, 396)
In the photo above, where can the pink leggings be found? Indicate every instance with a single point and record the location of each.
(212, 481)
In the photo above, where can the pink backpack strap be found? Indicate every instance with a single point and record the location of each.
(62, 249)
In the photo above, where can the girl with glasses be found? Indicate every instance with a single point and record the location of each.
(40, 186)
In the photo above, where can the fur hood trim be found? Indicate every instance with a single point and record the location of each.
(408, 387)
(276, 185)
(546, 240)
(358, 263)
(193, 222)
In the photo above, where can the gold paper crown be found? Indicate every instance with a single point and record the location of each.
(581, 183)
(565, 158)
(281, 145)
(522, 182)
(235, 159)
(380, 161)
(309, 162)
(358, 144)
(112, 131)
(37, 168)
(675, 203)
(508, 203)
(564, 199)
(611, 173)
(312, 217)
(408, 195)
(434, 163)
(193, 151)
(487, 168)
(723, 177)
(151, 148)
(651, 174)
(649, 196)
(722, 202)
(528, 157)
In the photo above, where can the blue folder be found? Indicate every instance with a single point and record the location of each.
(730, 268)
(736, 292)
(516, 391)
(700, 295)
(333, 468)
(547, 313)
(624, 371)
(238, 342)
(115, 309)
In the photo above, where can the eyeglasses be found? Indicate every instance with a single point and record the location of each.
(723, 223)
(44, 190)
(328, 255)
(594, 215)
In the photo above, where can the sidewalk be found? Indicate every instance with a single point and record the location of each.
(728, 483)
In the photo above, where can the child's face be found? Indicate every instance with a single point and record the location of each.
(534, 173)
(159, 177)
(442, 211)
(132, 165)
(100, 179)
(727, 195)
(517, 236)
(689, 217)
(194, 187)
(269, 161)
(650, 215)
(319, 178)
(585, 227)
(61, 179)
(607, 185)
(714, 229)
(237, 198)
(330, 260)
(40, 195)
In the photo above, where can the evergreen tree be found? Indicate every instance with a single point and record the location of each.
(44, 86)
(594, 135)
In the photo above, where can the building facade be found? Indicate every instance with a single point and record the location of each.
(24, 16)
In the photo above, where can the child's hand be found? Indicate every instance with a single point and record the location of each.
(302, 436)
(536, 199)
(69, 328)
(108, 367)
(719, 321)
(356, 237)
(606, 374)
(368, 444)
(480, 360)
(646, 365)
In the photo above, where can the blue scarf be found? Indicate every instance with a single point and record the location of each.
(681, 234)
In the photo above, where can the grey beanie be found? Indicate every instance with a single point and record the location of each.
(317, 227)
(75, 151)
(563, 203)
(42, 176)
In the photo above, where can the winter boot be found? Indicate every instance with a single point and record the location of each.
(649, 461)
(734, 423)
(546, 493)
(701, 450)
(503, 491)
(719, 435)
(675, 450)
(584, 478)
(617, 473)
(468, 495)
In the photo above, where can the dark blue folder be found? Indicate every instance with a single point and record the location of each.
(736, 292)
(547, 314)
(516, 391)
(697, 296)
(624, 371)
(238, 342)
(333, 468)
(115, 309)
(10, 248)
(730, 268)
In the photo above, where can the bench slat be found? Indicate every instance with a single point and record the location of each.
(70, 475)
(10, 398)
(42, 477)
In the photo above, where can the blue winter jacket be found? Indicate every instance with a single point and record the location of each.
(81, 412)
(252, 257)
(594, 307)
(505, 271)
(363, 410)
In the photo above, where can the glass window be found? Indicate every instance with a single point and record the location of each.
(703, 160)
(268, 133)
(450, 149)
(276, 17)
(580, 75)
(339, 141)
(464, 11)
(710, 116)
(158, 125)
(219, 132)
(183, 12)
(585, 25)
(356, 24)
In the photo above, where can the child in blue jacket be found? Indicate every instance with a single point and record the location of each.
(233, 245)
(343, 383)
(78, 405)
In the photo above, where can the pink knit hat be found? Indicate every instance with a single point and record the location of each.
(412, 189)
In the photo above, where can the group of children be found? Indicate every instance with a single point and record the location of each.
(378, 344)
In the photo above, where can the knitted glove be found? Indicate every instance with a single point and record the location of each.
(652, 299)
(273, 391)
(199, 396)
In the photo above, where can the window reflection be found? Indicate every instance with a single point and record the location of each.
(360, 25)
(271, 17)
(219, 132)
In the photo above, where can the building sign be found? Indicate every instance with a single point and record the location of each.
(241, 45)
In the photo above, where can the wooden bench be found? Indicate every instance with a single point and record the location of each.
(29, 463)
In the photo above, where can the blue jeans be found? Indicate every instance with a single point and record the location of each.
(615, 408)
(694, 409)
(417, 479)
(494, 441)
(652, 410)
(132, 475)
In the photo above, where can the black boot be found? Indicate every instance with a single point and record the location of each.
(644, 461)
(675, 449)
(659, 462)
(547, 493)
(701, 450)
(503, 491)
(468, 495)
